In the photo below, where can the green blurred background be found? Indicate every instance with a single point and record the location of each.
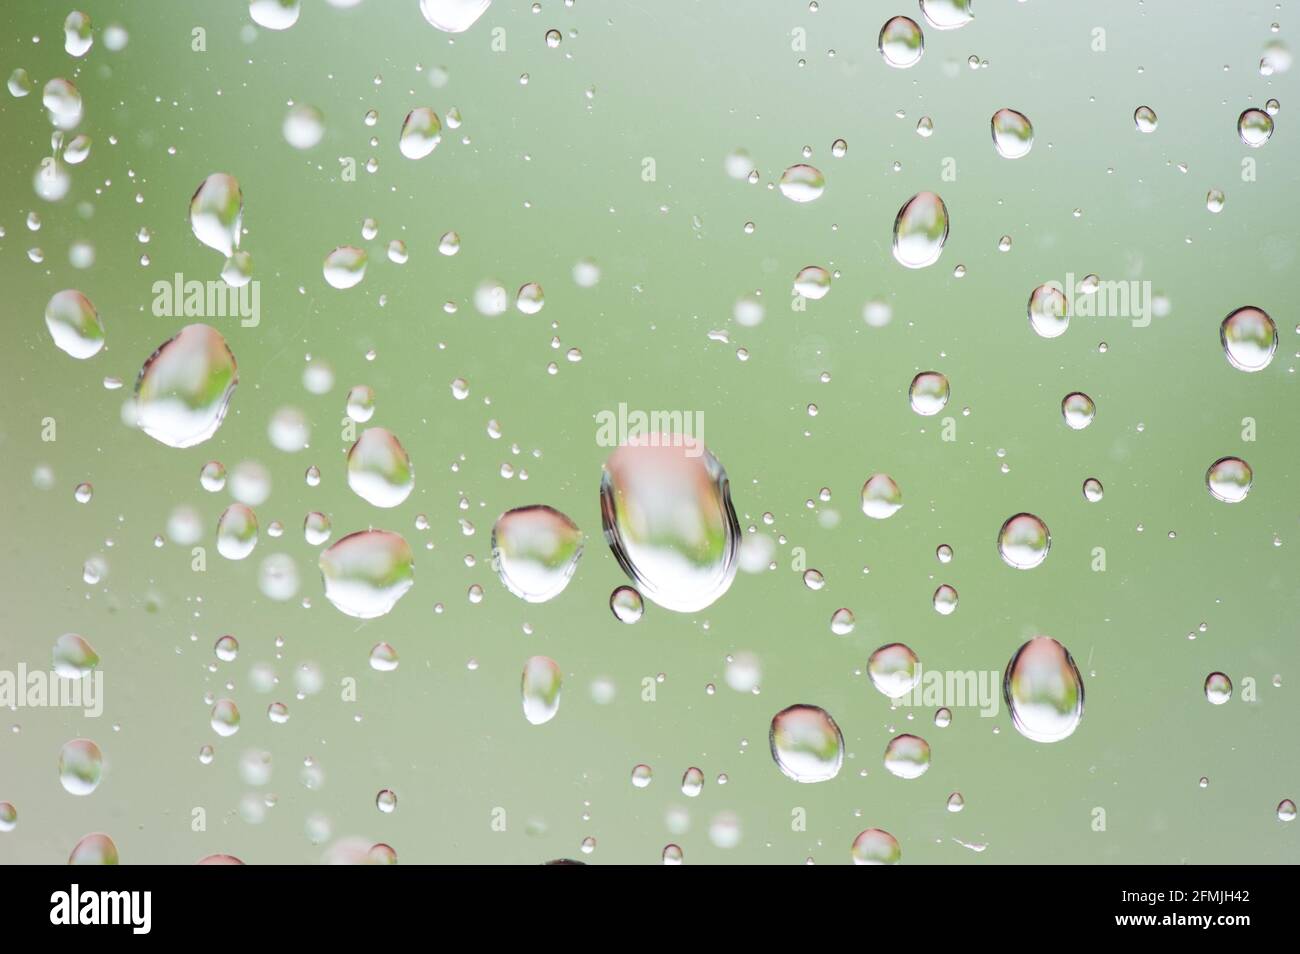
(541, 175)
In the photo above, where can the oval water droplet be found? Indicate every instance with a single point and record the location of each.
(1144, 118)
(367, 572)
(802, 183)
(928, 393)
(274, 14)
(1078, 410)
(901, 42)
(1249, 338)
(947, 14)
(73, 656)
(907, 756)
(237, 532)
(421, 133)
(1023, 541)
(1013, 133)
(94, 849)
(345, 267)
(1255, 127)
(667, 514)
(183, 389)
(1218, 688)
(875, 846)
(881, 497)
(81, 766)
(74, 324)
(216, 213)
(806, 743)
(540, 687)
(1049, 313)
(1229, 479)
(379, 469)
(843, 621)
(535, 551)
(894, 670)
(920, 229)
(1043, 690)
(453, 16)
(626, 604)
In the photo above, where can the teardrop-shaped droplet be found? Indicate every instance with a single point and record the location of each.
(1078, 410)
(894, 670)
(806, 743)
(920, 229)
(1249, 338)
(453, 16)
(843, 621)
(379, 469)
(1013, 133)
(421, 133)
(74, 324)
(875, 846)
(1255, 127)
(1145, 119)
(907, 756)
(944, 600)
(802, 183)
(947, 14)
(81, 765)
(216, 213)
(183, 389)
(73, 656)
(666, 510)
(881, 497)
(1043, 690)
(535, 551)
(540, 687)
(224, 718)
(1049, 313)
(345, 266)
(237, 531)
(1229, 479)
(901, 42)
(367, 572)
(1023, 541)
(928, 393)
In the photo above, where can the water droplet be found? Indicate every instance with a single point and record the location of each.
(77, 38)
(692, 782)
(907, 756)
(345, 266)
(1286, 810)
(73, 656)
(1229, 479)
(1214, 200)
(1092, 490)
(535, 551)
(1023, 541)
(642, 775)
(361, 403)
(901, 42)
(237, 532)
(876, 847)
(8, 817)
(183, 389)
(920, 229)
(379, 469)
(881, 497)
(947, 14)
(626, 604)
(226, 648)
(1144, 118)
(274, 14)
(1218, 688)
(62, 101)
(421, 133)
(945, 600)
(667, 515)
(1013, 134)
(304, 126)
(383, 658)
(806, 743)
(216, 213)
(842, 622)
(1078, 410)
(1048, 311)
(81, 765)
(956, 802)
(894, 670)
(367, 572)
(541, 689)
(1249, 338)
(812, 282)
(74, 324)
(1254, 126)
(1043, 690)
(453, 16)
(94, 849)
(928, 393)
(802, 183)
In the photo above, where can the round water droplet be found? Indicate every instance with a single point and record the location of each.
(812, 282)
(345, 267)
(386, 801)
(626, 604)
(1218, 688)
(379, 470)
(421, 133)
(894, 670)
(667, 515)
(1254, 126)
(843, 621)
(224, 717)
(1229, 479)
(316, 528)
(304, 126)
(876, 847)
(945, 600)
(1092, 490)
(1043, 690)
(183, 389)
(8, 817)
(802, 183)
(237, 532)
(73, 656)
(920, 229)
(1078, 410)
(901, 42)
(1144, 118)
(947, 14)
(535, 551)
(1249, 338)
(383, 658)
(881, 497)
(907, 756)
(74, 324)
(692, 782)
(1023, 541)
(226, 648)
(1286, 810)
(94, 849)
(274, 14)
(1013, 134)
(806, 743)
(1048, 311)
(928, 393)
(81, 765)
(642, 776)
(216, 212)
(453, 16)
(541, 689)
(1214, 200)
(367, 572)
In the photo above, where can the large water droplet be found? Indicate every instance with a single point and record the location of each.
(184, 387)
(421, 133)
(1249, 338)
(802, 183)
(379, 469)
(1218, 688)
(1229, 479)
(453, 16)
(920, 229)
(947, 14)
(274, 14)
(806, 743)
(216, 212)
(1048, 311)
(345, 266)
(666, 510)
(1078, 410)
(535, 551)
(77, 37)
(907, 756)
(1023, 541)
(62, 102)
(875, 846)
(540, 687)
(237, 531)
(1254, 126)
(894, 670)
(881, 497)
(81, 765)
(367, 572)
(74, 324)
(901, 42)
(94, 849)
(1043, 690)
(928, 393)
(73, 656)
(1013, 134)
